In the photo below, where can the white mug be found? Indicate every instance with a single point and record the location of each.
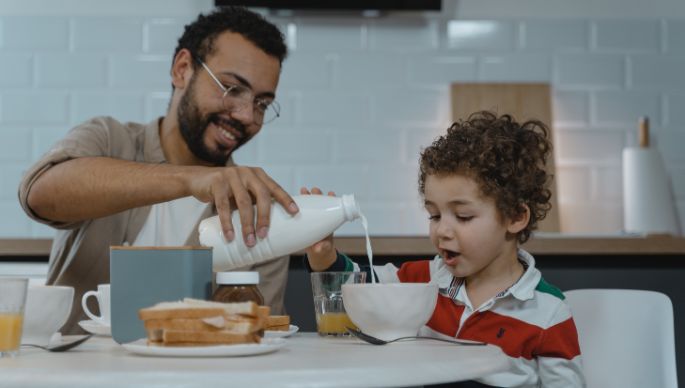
(102, 295)
(47, 309)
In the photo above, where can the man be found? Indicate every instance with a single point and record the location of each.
(110, 183)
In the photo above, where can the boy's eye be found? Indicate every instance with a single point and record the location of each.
(434, 217)
(464, 218)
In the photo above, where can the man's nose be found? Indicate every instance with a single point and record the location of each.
(243, 112)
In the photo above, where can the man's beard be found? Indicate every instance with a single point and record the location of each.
(193, 126)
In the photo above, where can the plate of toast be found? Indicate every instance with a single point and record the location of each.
(198, 328)
(144, 348)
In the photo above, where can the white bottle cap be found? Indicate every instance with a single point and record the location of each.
(237, 278)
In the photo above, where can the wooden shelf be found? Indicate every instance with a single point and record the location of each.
(25, 247)
(548, 244)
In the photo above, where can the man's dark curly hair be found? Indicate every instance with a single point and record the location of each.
(505, 158)
(199, 35)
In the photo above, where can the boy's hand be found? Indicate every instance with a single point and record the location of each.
(321, 254)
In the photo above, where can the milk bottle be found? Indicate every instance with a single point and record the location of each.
(318, 217)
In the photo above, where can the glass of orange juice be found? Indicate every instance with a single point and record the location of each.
(331, 319)
(12, 301)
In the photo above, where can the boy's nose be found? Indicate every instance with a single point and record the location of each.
(445, 230)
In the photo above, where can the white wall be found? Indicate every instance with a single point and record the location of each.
(361, 96)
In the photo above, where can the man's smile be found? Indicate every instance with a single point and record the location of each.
(227, 132)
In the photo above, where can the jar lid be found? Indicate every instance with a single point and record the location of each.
(237, 277)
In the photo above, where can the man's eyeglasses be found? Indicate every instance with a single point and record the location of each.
(238, 97)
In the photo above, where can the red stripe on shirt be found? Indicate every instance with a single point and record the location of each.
(446, 316)
(560, 340)
(516, 338)
(520, 339)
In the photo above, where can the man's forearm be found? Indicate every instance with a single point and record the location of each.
(93, 187)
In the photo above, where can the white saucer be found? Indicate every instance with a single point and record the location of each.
(95, 328)
(281, 333)
(268, 345)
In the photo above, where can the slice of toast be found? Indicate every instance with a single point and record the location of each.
(193, 308)
(243, 308)
(197, 322)
(278, 328)
(170, 310)
(177, 337)
(155, 336)
(277, 320)
(209, 324)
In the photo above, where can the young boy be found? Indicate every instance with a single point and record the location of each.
(484, 186)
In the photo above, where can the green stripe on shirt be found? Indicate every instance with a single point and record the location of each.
(547, 288)
(349, 265)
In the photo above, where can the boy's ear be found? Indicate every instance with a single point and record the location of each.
(518, 223)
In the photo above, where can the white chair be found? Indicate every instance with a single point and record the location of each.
(626, 337)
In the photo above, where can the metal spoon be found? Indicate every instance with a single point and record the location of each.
(62, 347)
(377, 341)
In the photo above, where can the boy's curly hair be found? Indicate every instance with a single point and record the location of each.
(198, 36)
(507, 160)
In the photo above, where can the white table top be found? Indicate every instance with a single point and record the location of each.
(306, 360)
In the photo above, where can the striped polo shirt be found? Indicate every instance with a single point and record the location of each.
(529, 321)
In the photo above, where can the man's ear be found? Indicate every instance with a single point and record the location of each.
(519, 222)
(182, 69)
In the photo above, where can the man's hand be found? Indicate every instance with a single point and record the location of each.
(240, 187)
(321, 254)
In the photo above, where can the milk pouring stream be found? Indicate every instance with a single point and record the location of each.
(318, 217)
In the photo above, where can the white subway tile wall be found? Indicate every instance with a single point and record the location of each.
(122, 34)
(70, 71)
(557, 35)
(674, 109)
(617, 109)
(626, 36)
(588, 71)
(435, 70)
(14, 221)
(361, 97)
(657, 72)
(673, 39)
(17, 70)
(323, 35)
(161, 35)
(481, 35)
(26, 33)
(571, 108)
(528, 67)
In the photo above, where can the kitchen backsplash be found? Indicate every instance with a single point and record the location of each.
(361, 97)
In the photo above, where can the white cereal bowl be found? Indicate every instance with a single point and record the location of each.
(47, 309)
(390, 310)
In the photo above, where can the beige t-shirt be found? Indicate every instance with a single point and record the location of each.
(170, 223)
(80, 250)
